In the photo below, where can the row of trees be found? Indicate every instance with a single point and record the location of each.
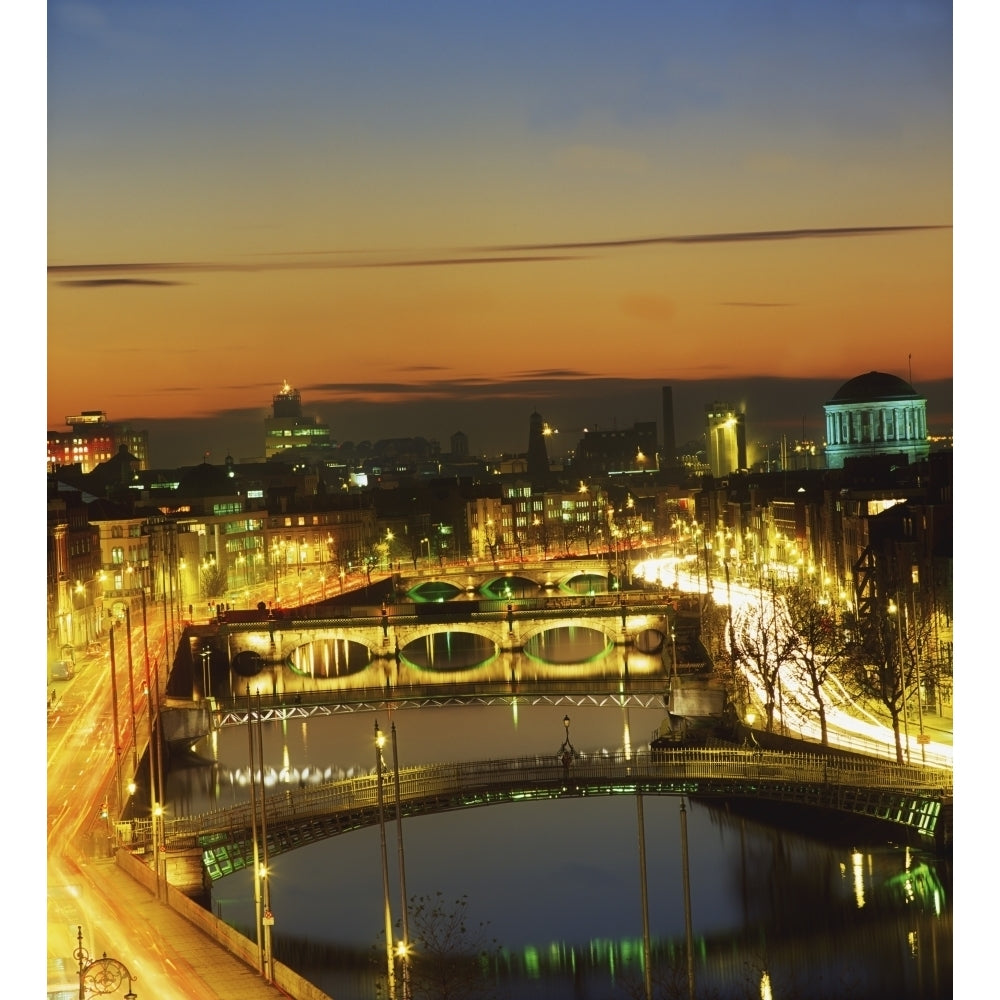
(788, 645)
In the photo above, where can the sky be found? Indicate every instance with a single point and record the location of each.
(443, 216)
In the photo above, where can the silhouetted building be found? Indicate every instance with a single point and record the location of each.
(459, 445)
(875, 414)
(725, 439)
(632, 449)
(538, 455)
(668, 456)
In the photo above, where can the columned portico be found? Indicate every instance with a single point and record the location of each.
(875, 414)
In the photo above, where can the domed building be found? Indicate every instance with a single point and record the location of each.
(875, 414)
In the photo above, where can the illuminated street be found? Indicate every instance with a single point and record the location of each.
(850, 725)
(168, 958)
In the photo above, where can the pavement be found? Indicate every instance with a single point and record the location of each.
(192, 953)
(170, 957)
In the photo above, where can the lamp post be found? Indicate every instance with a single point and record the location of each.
(566, 750)
(685, 872)
(100, 976)
(894, 610)
(114, 721)
(647, 951)
(390, 960)
(403, 948)
(131, 686)
(253, 827)
(264, 872)
(206, 673)
(152, 748)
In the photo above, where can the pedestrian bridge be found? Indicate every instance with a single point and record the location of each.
(918, 799)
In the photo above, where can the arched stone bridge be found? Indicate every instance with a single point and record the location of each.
(509, 625)
(504, 580)
(918, 799)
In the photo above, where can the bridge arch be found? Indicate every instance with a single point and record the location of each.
(917, 799)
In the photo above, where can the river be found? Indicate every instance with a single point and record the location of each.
(781, 907)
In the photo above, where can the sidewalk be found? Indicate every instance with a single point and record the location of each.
(186, 945)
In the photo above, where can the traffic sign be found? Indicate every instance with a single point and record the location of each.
(268, 918)
(923, 738)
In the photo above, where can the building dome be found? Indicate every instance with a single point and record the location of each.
(875, 414)
(875, 386)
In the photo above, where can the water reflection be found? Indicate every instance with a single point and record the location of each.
(774, 912)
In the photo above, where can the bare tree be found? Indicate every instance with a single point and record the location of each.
(882, 664)
(452, 958)
(819, 646)
(761, 641)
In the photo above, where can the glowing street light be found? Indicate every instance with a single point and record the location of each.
(379, 767)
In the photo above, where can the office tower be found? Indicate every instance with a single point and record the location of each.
(725, 439)
(538, 455)
(288, 428)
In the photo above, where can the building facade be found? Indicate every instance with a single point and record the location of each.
(875, 414)
(93, 439)
(288, 428)
(725, 439)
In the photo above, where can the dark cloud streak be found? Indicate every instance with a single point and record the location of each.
(118, 282)
(497, 254)
(758, 236)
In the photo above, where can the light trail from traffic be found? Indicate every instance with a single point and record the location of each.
(850, 726)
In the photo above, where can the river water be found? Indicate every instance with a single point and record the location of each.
(780, 906)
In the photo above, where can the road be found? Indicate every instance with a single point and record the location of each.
(850, 725)
(85, 888)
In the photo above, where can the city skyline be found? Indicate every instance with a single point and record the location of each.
(443, 219)
(776, 408)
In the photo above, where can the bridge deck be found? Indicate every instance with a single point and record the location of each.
(910, 796)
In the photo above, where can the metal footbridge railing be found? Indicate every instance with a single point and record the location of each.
(913, 797)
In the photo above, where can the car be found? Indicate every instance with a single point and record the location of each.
(61, 670)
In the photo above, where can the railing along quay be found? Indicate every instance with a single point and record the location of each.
(351, 803)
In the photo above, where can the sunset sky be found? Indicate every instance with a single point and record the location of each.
(432, 217)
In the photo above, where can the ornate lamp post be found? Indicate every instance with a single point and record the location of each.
(100, 976)
(566, 751)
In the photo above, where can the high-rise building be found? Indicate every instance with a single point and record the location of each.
(93, 439)
(538, 455)
(725, 439)
(288, 428)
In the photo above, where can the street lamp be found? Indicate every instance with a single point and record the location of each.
(893, 609)
(566, 751)
(897, 609)
(206, 672)
(379, 768)
(403, 947)
(100, 976)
